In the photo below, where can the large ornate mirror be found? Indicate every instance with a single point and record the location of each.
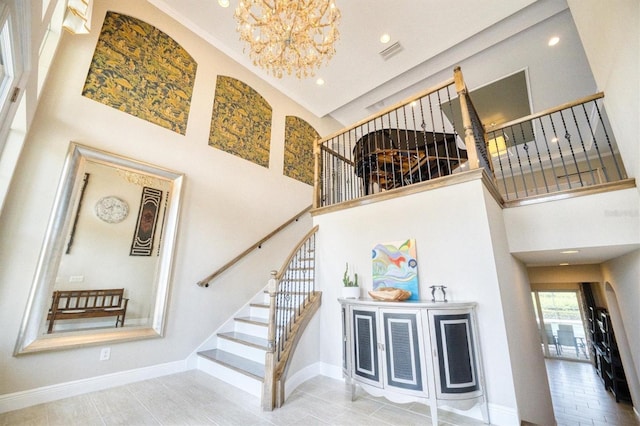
(105, 264)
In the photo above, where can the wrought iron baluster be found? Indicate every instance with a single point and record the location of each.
(433, 130)
(526, 148)
(567, 137)
(350, 170)
(444, 139)
(400, 152)
(417, 147)
(524, 183)
(455, 134)
(544, 136)
(391, 153)
(584, 149)
(564, 164)
(494, 137)
(423, 126)
(433, 136)
(606, 134)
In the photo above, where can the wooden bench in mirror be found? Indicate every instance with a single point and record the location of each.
(75, 304)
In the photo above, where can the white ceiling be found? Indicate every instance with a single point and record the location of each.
(489, 39)
(436, 35)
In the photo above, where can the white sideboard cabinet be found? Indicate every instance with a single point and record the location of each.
(410, 351)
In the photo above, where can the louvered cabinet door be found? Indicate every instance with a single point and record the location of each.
(365, 340)
(457, 374)
(346, 354)
(403, 351)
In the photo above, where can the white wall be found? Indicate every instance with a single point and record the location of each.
(568, 277)
(600, 220)
(565, 274)
(610, 34)
(527, 360)
(229, 203)
(454, 248)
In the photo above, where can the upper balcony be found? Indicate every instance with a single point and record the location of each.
(438, 134)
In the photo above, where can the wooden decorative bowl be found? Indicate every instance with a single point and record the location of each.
(390, 294)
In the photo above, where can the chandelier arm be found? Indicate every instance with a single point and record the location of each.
(271, 6)
(288, 36)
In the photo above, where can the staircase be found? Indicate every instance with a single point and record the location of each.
(253, 348)
(239, 356)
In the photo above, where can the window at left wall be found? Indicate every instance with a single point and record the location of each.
(15, 39)
(12, 57)
(7, 65)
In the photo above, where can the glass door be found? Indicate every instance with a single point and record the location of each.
(561, 324)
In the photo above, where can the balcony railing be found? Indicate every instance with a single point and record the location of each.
(567, 147)
(438, 133)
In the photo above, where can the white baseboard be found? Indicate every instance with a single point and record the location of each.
(309, 372)
(18, 400)
(499, 415)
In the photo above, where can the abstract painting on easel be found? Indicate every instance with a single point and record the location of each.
(395, 265)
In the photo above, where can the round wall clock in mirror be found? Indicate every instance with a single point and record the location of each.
(112, 209)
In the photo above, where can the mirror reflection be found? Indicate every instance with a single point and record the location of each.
(105, 265)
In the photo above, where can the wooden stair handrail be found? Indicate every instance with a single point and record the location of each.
(205, 281)
(293, 253)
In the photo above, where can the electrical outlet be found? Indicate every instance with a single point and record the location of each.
(105, 354)
(76, 278)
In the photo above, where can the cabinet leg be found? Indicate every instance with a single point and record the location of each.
(484, 410)
(433, 409)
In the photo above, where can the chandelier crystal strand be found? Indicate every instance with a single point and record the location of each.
(292, 37)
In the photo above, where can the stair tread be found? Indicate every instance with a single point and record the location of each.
(247, 339)
(254, 320)
(235, 362)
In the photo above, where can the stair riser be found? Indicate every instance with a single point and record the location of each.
(242, 350)
(259, 312)
(228, 375)
(254, 330)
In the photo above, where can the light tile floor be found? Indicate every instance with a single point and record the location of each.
(195, 398)
(579, 397)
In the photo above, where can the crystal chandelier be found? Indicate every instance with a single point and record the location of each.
(293, 37)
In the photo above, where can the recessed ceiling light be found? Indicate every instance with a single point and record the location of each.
(554, 40)
(319, 82)
(554, 140)
(223, 3)
(384, 38)
(570, 251)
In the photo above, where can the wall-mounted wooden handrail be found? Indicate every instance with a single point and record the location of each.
(205, 282)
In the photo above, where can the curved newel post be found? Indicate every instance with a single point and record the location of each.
(269, 384)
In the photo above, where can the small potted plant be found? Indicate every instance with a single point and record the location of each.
(350, 289)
